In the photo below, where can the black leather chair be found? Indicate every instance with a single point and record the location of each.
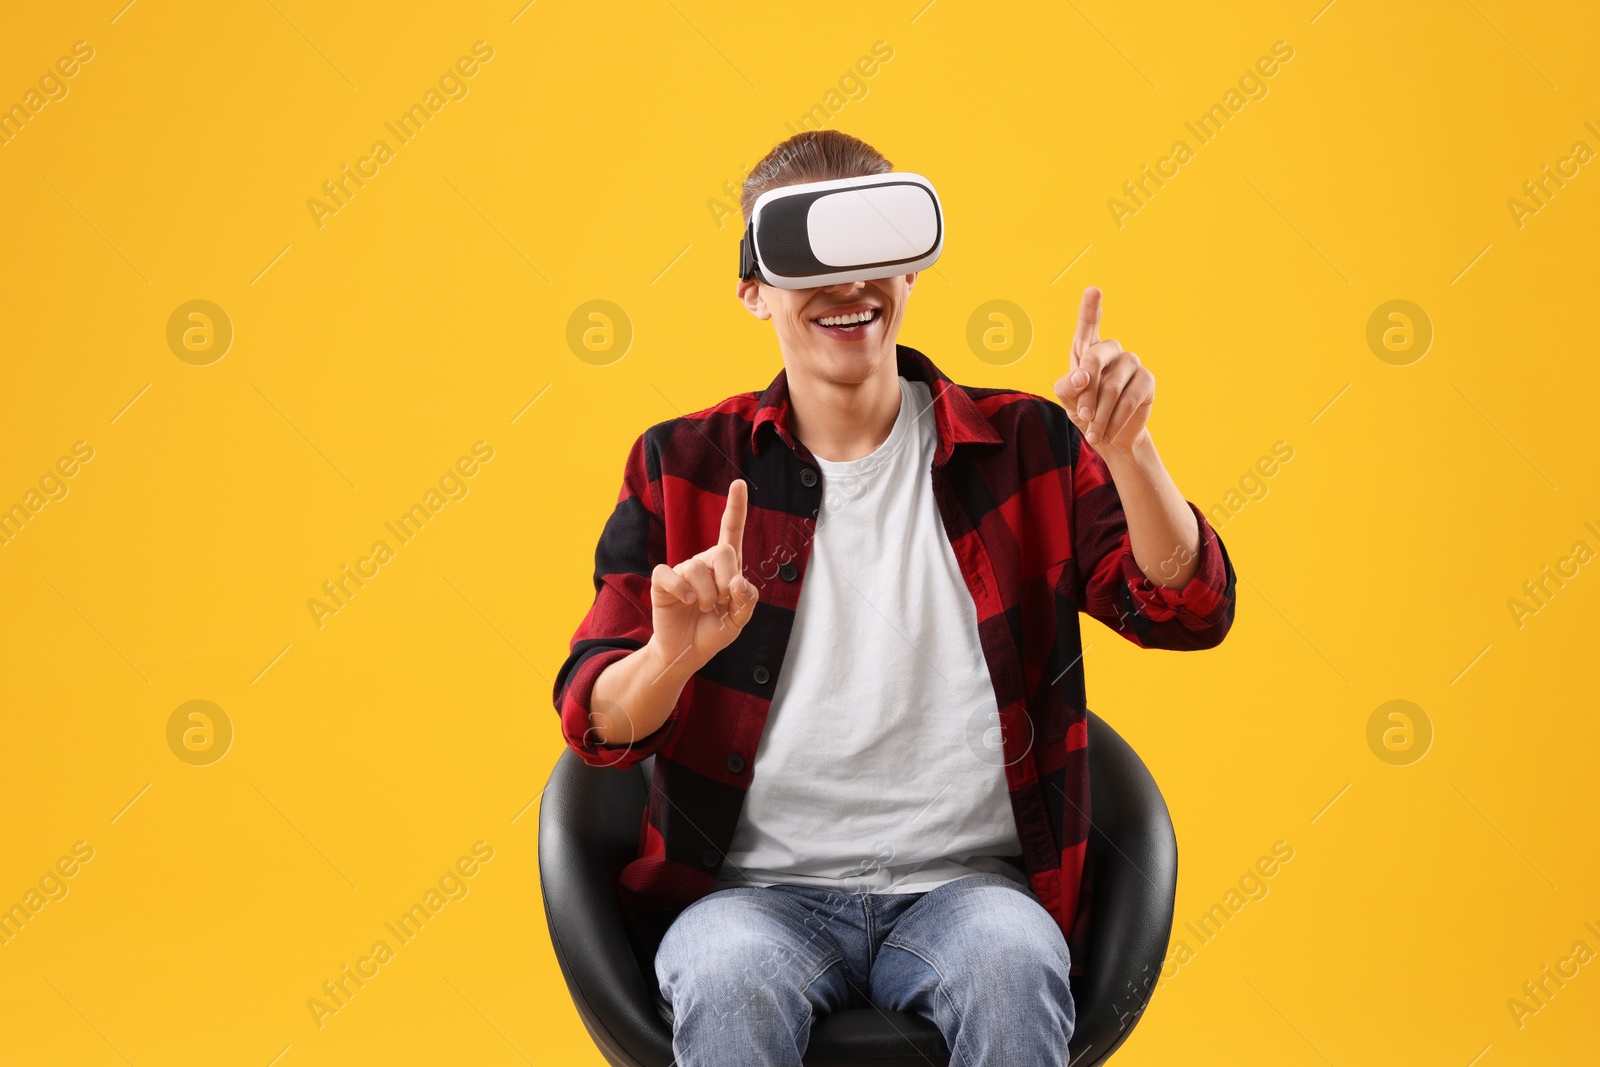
(588, 831)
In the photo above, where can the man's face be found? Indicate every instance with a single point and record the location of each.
(841, 352)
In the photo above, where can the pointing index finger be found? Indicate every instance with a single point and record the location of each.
(1088, 320)
(733, 516)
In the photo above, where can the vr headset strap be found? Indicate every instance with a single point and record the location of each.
(747, 254)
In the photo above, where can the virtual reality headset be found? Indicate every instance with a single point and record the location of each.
(845, 230)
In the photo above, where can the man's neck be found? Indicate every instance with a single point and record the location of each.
(841, 421)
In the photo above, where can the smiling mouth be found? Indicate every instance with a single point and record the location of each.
(850, 322)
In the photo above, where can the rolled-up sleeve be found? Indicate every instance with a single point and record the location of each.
(632, 543)
(1114, 590)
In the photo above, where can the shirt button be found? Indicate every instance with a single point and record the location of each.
(808, 477)
(710, 858)
(736, 763)
(788, 572)
(761, 675)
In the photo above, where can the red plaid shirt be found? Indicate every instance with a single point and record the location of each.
(1039, 533)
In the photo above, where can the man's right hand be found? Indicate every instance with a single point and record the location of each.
(700, 606)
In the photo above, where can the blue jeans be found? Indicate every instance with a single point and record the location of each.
(746, 970)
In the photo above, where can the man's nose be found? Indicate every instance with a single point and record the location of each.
(844, 288)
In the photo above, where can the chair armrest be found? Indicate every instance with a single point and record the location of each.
(588, 831)
(1135, 856)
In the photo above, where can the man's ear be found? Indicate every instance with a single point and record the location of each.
(911, 280)
(749, 294)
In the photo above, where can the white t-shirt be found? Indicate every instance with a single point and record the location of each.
(879, 770)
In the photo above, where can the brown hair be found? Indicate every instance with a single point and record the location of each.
(811, 156)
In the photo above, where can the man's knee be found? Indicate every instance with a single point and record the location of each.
(996, 947)
(731, 951)
(1012, 938)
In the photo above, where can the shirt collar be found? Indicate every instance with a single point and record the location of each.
(956, 418)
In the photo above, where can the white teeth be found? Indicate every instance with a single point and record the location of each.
(847, 320)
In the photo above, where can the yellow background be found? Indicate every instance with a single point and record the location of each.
(431, 310)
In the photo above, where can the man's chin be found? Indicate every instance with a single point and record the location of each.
(849, 364)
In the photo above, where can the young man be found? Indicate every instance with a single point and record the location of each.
(843, 615)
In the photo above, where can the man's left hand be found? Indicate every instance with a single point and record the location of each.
(1106, 391)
